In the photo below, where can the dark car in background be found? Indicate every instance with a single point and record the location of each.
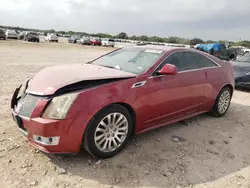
(2, 34)
(32, 37)
(242, 71)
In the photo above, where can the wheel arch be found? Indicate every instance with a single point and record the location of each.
(230, 87)
(123, 104)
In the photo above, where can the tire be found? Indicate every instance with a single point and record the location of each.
(216, 111)
(90, 141)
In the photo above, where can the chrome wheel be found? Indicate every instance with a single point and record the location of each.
(111, 132)
(224, 101)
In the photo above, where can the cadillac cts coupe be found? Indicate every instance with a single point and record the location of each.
(100, 105)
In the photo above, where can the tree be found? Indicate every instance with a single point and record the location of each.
(196, 41)
(122, 35)
(172, 40)
(210, 41)
(143, 38)
(156, 39)
(133, 37)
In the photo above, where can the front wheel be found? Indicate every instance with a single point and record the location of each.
(108, 132)
(222, 102)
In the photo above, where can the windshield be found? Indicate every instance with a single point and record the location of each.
(134, 60)
(245, 58)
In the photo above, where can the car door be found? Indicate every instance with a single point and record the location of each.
(174, 96)
(212, 72)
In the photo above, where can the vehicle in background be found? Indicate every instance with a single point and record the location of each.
(73, 39)
(32, 36)
(139, 89)
(241, 68)
(218, 50)
(108, 42)
(239, 50)
(84, 40)
(22, 35)
(246, 51)
(2, 34)
(95, 41)
(52, 37)
(11, 34)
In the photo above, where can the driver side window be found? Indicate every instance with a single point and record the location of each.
(184, 61)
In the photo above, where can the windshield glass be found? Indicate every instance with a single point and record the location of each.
(134, 60)
(245, 58)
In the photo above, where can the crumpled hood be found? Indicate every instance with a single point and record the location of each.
(49, 80)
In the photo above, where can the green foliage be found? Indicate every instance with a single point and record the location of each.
(122, 35)
(242, 43)
(210, 41)
(156, 39)
(196, 41)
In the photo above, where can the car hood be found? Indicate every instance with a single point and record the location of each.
(49, 80)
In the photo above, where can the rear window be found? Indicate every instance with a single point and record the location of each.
(111, 40)
(203, 61)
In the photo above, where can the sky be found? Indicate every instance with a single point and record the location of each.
(206, 19)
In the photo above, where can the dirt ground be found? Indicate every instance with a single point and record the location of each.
(213, 152)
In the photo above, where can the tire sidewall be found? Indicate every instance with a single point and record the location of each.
(88, 140)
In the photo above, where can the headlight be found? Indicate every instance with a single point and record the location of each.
(248, 73)
(59, 106)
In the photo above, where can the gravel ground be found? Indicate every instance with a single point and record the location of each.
(199, 152)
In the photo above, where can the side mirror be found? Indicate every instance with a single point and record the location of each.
(168, 69)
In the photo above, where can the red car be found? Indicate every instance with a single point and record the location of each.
(95, 42)
(100, 105)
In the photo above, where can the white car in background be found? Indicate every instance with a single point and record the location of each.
(11, 34)
(246, 50)
(51, 37)
(108, 42)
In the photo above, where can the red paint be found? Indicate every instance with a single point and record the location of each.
(168, 69)
(162, 100)
(95, 42)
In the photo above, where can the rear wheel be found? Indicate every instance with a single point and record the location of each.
(222, 102)
(108, 132)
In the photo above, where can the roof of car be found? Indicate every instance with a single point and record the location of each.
(161, 47)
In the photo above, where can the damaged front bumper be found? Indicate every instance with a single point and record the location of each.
(48, 135)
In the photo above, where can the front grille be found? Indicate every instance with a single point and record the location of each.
(26, 105)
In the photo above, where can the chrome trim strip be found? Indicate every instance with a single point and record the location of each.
(151, 76)
(139, 84)
(34, 92)
(24, 133)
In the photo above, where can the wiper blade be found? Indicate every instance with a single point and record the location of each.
(112, 67)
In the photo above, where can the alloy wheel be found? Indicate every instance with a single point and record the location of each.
(224, 101)
(111, 132)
